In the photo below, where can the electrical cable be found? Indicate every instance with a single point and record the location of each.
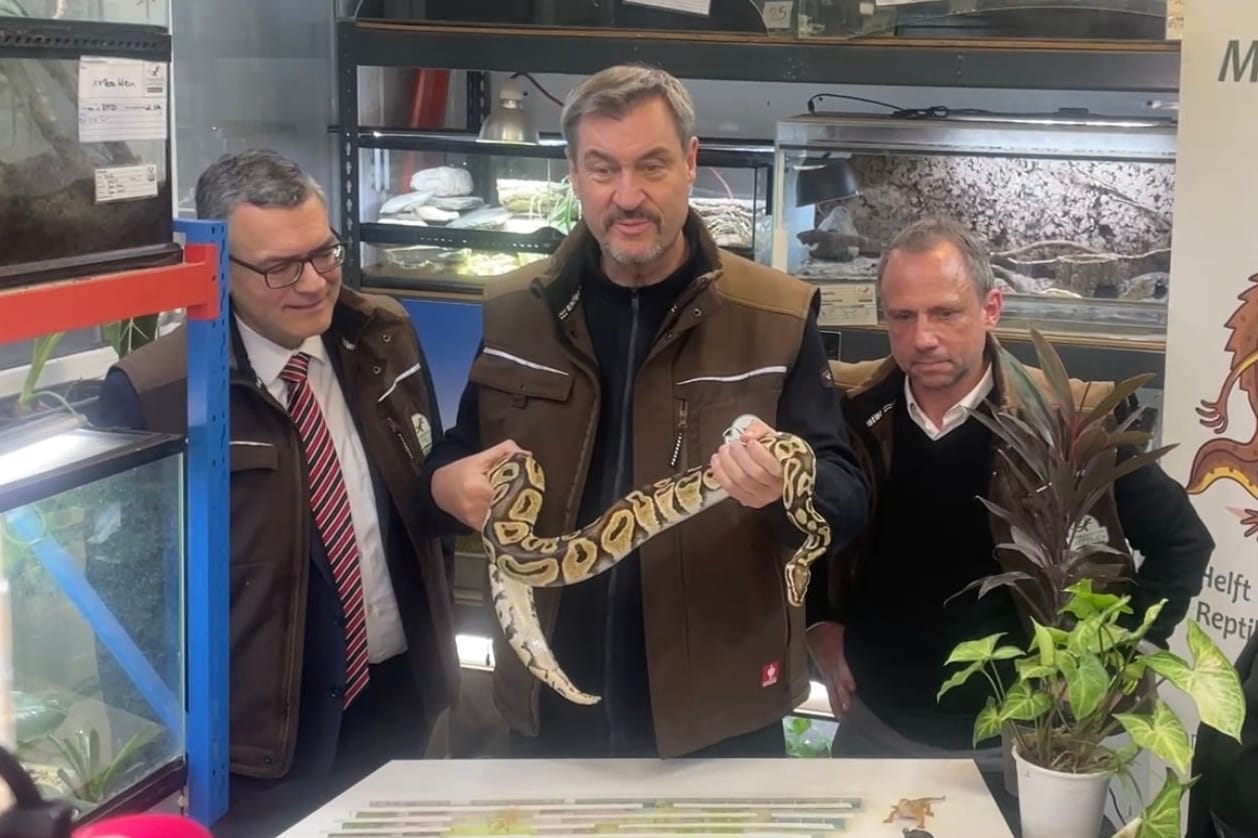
(539, 87)
(897, 112)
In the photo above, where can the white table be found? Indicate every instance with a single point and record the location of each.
(430, 795)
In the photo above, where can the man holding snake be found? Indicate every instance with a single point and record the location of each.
(623, 360)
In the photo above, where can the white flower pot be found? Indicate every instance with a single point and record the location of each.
(1053, 804)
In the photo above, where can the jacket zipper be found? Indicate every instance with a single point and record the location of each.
(393, 426)
(681, 434)
(626, 428)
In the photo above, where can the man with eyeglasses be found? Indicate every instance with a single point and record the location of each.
(342, 638)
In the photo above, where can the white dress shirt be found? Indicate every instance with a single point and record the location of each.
(956, 415)
(385, 637)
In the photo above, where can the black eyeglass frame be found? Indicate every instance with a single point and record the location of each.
(299, 263)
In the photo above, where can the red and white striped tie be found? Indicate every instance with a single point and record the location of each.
(330, 504)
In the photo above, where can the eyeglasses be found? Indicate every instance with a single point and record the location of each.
(325, 260)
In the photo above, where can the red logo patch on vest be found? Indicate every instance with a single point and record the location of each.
(769, 674)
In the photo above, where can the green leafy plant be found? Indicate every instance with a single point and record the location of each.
(566, 212)
(1060, 460)
(41, 353)
(1076, 689)
(804, 738)
(126, 336)
(86, 775)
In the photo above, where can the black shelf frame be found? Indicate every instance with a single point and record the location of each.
(26, 37)
(545, 240)
(1138, 66)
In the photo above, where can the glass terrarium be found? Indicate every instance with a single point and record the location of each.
(1054, 19)
(84, 150)
(154, 12)
(1076, 211)
(747, 16)
(443, 211)
(91, 548)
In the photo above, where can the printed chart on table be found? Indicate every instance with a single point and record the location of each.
(626, 818)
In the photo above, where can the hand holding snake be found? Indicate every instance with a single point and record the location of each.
(520, 560)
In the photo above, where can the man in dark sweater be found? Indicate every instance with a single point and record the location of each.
(930, 536)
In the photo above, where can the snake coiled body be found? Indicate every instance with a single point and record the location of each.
(520, 560)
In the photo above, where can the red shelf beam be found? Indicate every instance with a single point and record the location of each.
(63, 306)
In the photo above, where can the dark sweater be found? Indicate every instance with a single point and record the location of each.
(900, 632)
(600, 633)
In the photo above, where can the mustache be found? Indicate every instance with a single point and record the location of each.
(616, 215)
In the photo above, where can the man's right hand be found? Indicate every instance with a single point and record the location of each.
(825, 644)
(462, 489)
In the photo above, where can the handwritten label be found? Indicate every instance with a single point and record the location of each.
(122, 183)
(777, 14)
(1175, 20)
(121, 99)
(692, 7)
(848, 304)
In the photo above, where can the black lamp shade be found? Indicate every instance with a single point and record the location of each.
(825, 180)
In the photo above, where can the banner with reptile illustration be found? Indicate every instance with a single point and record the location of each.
(1211, 397)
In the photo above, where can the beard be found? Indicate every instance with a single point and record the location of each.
(626, 256)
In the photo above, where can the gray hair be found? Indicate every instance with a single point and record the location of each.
(260, 176)
(921, 236)
(613, 92)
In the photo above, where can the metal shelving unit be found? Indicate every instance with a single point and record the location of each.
(199, 285)
(1151, 67)
(1148, 67)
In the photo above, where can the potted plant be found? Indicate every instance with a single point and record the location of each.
(1074, 690)
(1087, 674)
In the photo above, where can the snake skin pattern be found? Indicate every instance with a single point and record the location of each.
(520, 560)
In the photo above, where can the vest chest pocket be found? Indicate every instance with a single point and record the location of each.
(247, 455)
(705, 407)
(519, 398)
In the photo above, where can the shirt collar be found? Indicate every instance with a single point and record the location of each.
(955, 415)
(268, 358)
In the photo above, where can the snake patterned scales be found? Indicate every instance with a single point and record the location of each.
(520, 560)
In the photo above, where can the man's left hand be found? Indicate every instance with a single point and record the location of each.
(747, 471)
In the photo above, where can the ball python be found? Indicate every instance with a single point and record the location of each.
(520, 560)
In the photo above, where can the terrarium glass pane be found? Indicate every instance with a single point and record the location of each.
(96, 605)
(150, 12)
(1076, 214)
(1066, 19)
(454, 219)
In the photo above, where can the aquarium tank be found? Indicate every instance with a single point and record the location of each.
(91, 550)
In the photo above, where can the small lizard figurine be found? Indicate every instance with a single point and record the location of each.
(917, 808)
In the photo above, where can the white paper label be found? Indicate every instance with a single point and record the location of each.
(121, 99)
(120, 183)
(777, 14)
(900, 2)
(1175, 20)
(694, 7)
(423, 431)
(848, 304)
